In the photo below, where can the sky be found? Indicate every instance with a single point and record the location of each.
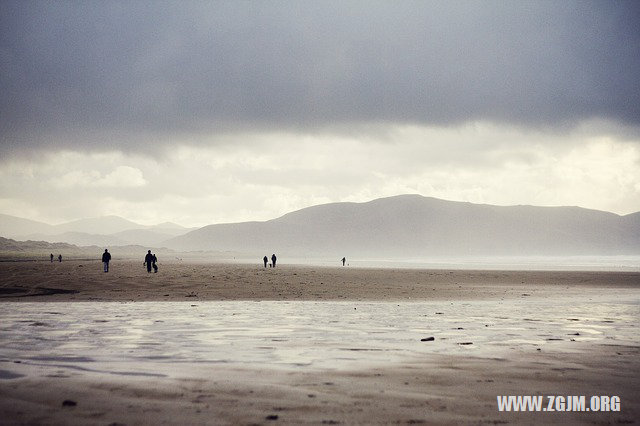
(227, 111)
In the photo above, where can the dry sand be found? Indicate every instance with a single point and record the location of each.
(522, 325)
(184, 281)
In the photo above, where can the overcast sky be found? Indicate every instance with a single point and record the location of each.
(207, 112)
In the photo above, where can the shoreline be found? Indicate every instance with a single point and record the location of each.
(622, 263)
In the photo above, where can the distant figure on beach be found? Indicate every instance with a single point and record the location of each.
(148, 260)
(106, 257)
(51, 257)
(155, 267)
(273, 260)
(265, 260)
(344, 259)
(59, 258)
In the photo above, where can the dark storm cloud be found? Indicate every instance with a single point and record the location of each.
(117, 73)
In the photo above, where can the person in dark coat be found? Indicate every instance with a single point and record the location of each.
(344, 259)
(155, 267)
(265, 260)
(148, 260)
(273, 260)
(106, 257)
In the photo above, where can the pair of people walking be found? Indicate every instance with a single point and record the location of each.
(273, 260)
(150, 260)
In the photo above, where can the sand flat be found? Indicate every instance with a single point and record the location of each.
(179, 281)
(238, 344)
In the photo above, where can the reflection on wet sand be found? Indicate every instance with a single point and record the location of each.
(322, 362)
(321, 335)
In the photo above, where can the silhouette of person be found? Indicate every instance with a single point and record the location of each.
(51, 257)
(155, 267)
(344, 259)
(59, 258)
(106, 257)
(273, 259)
(265, 260)
(148, 260)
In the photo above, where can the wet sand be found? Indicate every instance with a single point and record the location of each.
(240, 344)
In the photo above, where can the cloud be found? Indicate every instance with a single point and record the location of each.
(204, 112)
(137, 76)
(200, 185)
(121, 177)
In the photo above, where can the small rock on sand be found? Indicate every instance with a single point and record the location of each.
(428, 339)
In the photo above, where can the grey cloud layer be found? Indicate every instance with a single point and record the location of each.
(111, 74)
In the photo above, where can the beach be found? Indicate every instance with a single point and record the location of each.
(127, 280)
(223, 343)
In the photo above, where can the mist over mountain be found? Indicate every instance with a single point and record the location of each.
(12, 250)
(78, 239)
(12, 226)
(104, 225)
(101, 231)
(400, 227)
(412, 226)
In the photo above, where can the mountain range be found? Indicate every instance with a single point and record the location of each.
(102, 231)
(400, 227)
(412, 226)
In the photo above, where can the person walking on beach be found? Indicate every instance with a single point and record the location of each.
(59, 258)
(51, 257)
(148, 260)
(106, 257)
(155, 267)
(265, 260)
(273, 260)
(344, 259)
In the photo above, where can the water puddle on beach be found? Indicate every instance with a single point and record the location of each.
(158, 339)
